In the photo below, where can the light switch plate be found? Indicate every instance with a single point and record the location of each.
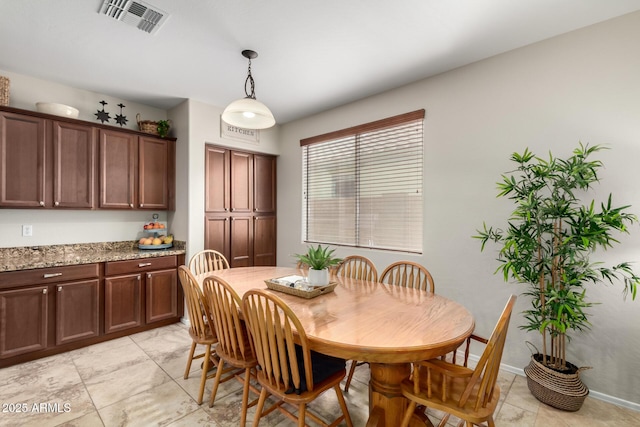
(27, 230)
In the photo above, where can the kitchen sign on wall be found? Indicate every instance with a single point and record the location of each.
(242, 134)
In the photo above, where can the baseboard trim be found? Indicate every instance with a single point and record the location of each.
(595, 394)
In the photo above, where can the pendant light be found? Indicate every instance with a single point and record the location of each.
(248, 112)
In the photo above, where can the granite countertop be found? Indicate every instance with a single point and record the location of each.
(31, 257)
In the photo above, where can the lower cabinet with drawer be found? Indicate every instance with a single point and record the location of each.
(43, 308)
(140, 292)
(50, 310)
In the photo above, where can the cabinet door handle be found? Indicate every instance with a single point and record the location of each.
(57, 203)
(131, 205)
(144, 264)
(142, 205)
(139, 277)
(41, 203)
(44, 291)
(149, 276)
(59, 288)
(50, 275)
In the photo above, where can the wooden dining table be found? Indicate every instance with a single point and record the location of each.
(386, 325)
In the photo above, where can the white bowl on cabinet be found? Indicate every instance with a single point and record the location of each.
(57, 109)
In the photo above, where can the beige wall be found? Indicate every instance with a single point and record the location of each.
(582, 86)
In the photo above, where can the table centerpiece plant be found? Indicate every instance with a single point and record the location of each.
(546, 246)
(319, 260)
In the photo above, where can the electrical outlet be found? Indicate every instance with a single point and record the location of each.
(27, 230)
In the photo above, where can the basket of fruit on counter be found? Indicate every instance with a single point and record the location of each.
(156, 237)
(156, 242)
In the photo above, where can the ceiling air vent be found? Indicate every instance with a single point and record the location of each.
(139, 14)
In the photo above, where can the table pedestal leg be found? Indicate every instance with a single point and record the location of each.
(386, 403)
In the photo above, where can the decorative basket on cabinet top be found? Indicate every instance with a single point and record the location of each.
(4, 91)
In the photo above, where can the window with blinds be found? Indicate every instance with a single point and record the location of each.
(362, 186)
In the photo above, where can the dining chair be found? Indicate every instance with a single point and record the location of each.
(201, 327)
(362, 268)
(288, 369)
(207, 260)
(409, 275)
(357, 267)
(233, 346)
(469, 394)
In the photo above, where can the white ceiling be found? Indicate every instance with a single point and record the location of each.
(313, 55)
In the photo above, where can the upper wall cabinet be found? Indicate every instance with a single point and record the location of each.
(47, 162)
(156, 173)
(136, 172)
(118, 165)
(74, 158)
(22, 161)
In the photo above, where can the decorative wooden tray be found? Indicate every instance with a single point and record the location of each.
(289, 286)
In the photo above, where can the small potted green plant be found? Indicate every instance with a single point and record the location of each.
(319, 260)
(163, 128)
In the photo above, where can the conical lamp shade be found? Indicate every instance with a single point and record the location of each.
(249, 114)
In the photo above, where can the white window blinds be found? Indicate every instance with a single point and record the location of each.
(362, 186)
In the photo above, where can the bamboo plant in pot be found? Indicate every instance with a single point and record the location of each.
(546, 246)
(319, 261)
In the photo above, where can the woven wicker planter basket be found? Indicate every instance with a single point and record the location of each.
(147, 126)
(4, 91)
(562, 391)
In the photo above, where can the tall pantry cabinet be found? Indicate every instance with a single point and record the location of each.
(240, 206)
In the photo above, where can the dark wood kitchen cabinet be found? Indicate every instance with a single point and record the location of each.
(240, 205)
(46, 163)
(22, 160)
(122, 302)
(74, 165)
(77, 311)
(50, 162)
(161, 293)
(50, 310)
(24, 320)
(118, 160)
(139, 292)
(136, 172)
(43, 308)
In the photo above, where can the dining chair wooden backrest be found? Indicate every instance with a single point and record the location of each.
(285, 359)
(207, 260)
(234, 347)
(358, 267)
(469, 394)
(201, 326)
(409, 275)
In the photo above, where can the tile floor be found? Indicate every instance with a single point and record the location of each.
(138, 381)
